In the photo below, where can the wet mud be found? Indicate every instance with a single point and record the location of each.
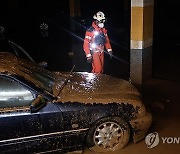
(90, 88)
(164, 102)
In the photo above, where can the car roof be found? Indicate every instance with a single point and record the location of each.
(12, 65)
(8, 62)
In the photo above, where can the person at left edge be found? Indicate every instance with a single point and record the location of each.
(95, 42)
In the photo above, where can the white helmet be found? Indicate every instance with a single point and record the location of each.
(99, 16)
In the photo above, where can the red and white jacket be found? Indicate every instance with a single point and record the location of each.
(95, 43)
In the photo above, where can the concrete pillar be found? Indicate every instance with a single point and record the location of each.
(75, 13)
(141, 40)
(74, 8)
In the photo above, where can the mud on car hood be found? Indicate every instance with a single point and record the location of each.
(99, 88)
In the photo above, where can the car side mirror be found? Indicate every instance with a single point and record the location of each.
(43, 64)
(37, 104)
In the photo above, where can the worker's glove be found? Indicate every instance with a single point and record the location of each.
(110, 54)
(89, 58)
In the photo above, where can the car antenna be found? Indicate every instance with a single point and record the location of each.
(72, 69)
(20, 48)
(66, 80)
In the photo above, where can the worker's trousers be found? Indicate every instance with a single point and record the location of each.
(98, 62)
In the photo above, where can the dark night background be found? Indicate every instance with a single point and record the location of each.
(21, 19)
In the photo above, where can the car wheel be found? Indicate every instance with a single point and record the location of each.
(108, 134)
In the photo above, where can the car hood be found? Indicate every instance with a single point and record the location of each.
(98, 88)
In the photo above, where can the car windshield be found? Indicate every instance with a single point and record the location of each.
(44, 78)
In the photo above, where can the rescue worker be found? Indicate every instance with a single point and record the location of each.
(95, 42)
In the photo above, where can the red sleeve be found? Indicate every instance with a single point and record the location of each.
(87, 42)
(107, 45)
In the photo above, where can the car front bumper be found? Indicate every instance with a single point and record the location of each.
(140, 127)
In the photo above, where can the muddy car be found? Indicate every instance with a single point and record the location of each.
(43, 111)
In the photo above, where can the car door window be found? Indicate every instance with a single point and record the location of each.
(13, 94)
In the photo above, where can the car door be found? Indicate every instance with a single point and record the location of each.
(20, 129)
